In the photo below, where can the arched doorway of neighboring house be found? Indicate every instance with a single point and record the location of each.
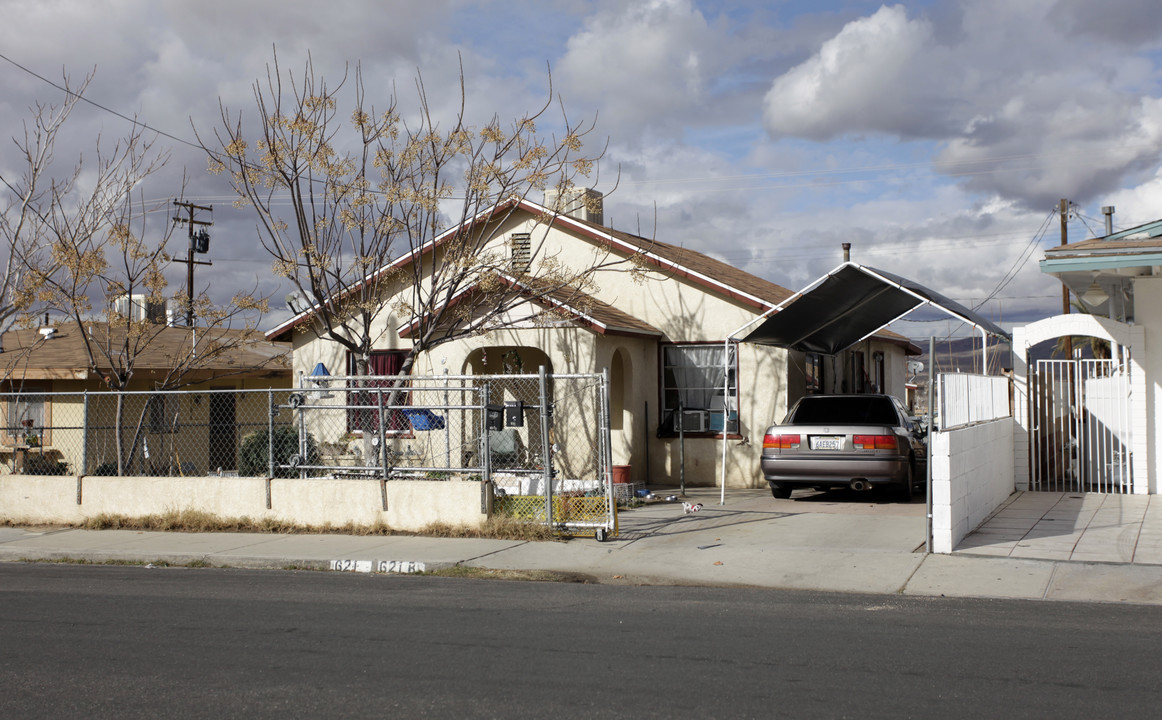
(1078, 415)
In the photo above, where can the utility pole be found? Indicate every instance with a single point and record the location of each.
(199, 242)
(1064, 212)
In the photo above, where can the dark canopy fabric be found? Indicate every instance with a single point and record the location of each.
(849, 304)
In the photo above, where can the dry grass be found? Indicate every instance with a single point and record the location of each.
(461, 571)
(496, 528)
(196, 521)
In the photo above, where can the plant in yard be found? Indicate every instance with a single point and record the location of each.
(255, 451)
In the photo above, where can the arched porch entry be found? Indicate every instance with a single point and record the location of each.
(506, 360)
(1078, 427)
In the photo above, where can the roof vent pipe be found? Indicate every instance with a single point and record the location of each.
(846, 252)
(1108, 211)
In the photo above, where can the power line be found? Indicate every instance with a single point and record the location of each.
(98, 105)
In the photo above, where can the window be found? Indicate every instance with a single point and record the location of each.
(814, 373)
(692, 382)
(522, 252)
(365, 417)
(162, 413)
(26, 416)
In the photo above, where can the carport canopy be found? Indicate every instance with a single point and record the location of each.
(850, 303)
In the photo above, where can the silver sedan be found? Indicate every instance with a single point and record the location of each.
(857, 441)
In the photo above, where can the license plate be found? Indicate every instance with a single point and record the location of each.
(827, 443)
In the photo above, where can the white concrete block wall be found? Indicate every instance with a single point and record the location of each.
(972, 474)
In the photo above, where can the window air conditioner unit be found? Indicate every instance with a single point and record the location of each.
(694, 421)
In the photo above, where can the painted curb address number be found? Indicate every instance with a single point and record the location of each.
(379, 566)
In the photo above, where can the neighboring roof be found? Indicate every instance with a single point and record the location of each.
(1136, 247)
(62, 356)
(849, 304)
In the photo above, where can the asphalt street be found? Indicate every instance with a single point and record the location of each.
(128, 642)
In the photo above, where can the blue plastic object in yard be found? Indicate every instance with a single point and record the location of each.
(424, 419)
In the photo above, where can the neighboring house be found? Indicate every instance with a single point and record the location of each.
(50, 394)
(1115, 438)
(662, 341)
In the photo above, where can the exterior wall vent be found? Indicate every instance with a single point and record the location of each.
(522, 251)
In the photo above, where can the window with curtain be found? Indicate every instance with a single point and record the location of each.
(364, 417)
(26, 414)
(693, 380)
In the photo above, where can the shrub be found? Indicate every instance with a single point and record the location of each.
(41, 465)
(253, 457)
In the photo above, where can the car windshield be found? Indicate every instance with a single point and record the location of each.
(836, 410)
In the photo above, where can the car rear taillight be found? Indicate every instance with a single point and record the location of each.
(781, 442)
(874, 442)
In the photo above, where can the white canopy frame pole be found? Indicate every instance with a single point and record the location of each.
(925, 301)
(726, 375)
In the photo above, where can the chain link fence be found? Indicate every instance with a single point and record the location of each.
(541, 441)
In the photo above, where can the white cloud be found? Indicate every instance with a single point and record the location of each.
(643, 64)
(858, 81)
(1027, 108)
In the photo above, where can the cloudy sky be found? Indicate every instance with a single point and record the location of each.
(937, 137)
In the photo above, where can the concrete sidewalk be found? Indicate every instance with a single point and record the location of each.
(808, 543)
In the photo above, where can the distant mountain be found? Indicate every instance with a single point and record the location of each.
(963, 355)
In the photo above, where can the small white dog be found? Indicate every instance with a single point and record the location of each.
(688, 508)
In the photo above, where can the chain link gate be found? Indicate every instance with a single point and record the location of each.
(1080, 426)
(541, 442)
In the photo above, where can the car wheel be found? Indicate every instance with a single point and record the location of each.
(781, 492)
(909, 483)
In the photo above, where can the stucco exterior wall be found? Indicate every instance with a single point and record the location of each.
(1148, 315)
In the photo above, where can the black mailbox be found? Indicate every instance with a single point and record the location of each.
(514, 413)
(494, 417)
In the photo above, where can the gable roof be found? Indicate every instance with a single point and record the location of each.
(577, 306)
(62, 356)
(714, 275)
(700, 269)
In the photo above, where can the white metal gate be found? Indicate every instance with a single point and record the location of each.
(1080, 425)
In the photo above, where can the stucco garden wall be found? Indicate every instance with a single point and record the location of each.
(411, 504)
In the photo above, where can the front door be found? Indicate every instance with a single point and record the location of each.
(223, 428)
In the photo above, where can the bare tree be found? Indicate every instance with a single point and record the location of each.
(79, 242)
(29, 197)
(350, 207)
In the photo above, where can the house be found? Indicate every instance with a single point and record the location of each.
(1090, 424)
(58, 409)
(663, 342)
